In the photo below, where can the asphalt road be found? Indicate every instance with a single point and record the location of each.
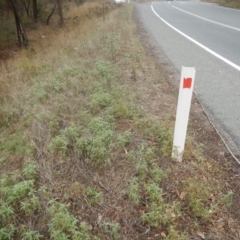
(207, 37)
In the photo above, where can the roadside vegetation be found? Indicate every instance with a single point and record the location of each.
(83, 156)
(227, 3)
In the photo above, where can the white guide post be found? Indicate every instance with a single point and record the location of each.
(183, 109)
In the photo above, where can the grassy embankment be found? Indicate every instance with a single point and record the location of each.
(80, 156)
(227, 3)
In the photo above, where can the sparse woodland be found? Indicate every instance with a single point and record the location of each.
(18, 16)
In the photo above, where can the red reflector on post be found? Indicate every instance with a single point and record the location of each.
(187, 82)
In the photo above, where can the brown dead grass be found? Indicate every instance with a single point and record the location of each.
(81, 45)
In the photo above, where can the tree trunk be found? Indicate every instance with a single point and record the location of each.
(51, 13)
(60, 12)
(35, 10)
(22, 37)
(26, 5)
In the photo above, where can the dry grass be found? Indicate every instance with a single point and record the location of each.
(227, 3)
(86, 137)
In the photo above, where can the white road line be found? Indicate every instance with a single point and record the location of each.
(208, 20)
(197, 43)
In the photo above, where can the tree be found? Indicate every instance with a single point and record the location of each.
(59, 2)
(22, 37)
(35, 10)
(51, 13)
(26, 5)
(31, 5)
